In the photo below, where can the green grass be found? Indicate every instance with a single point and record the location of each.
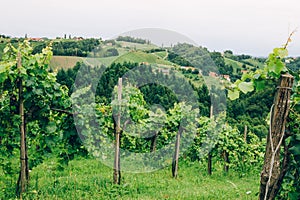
(65, 62)
(139, 56)
(126, 53)
(255, 62)
(161, 54)
(107, 60)
(89, 179)
(235, 64)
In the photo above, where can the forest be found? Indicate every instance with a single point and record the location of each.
(135, 121)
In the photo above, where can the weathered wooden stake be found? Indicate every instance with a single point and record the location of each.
(245, 133)
(117, 172)
(272, 169)
(24, 171)
(176, 154)
(209, 164)
(209, 156)
(153, 143)
(226, 161)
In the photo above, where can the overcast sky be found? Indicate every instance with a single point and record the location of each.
(251, 27)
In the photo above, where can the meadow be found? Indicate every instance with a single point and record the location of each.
(88, 178)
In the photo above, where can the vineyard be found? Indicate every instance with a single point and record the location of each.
(137, 121)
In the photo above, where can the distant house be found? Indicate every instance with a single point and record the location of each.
(36, 39)
(213, 74)
(165, 71)
(227, 77)
(187, 67)
(78, 38)
(144, 63)
(244, 71)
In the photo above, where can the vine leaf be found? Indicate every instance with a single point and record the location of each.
(281, 52)
(294, 150)
(51, 128)
(233, 94)
(246, 87)
(259, 85)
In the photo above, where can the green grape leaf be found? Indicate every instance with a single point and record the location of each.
(295, 150)
(51, 128)
(259, 84)
(281, 52)
(256, 76)
(246, 87)
(6, 49)
(30, 83)
(2, 68)
(3, 77)
(38, 91)
(232, 95)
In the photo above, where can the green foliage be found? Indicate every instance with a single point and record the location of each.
(138, 127)
(41, 93)
(220, 63)
(197, 57)
(218, 137)
(132, 39)
(275, 66)
(174, 58)
(111, 52)
(79, 48)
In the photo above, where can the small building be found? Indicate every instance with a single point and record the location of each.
(227, 77)
(244, 71)
(144, 63)
(213, 74)
(36, 39)
(165, 71)
(78, 38)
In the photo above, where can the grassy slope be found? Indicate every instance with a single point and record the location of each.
(65, 62)
(235, 64)
(255, 62)
(139, 56)
(89, 179)
(161, 54)
(125, 54)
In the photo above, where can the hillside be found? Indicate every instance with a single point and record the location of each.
(142, 57)
(64, 62)
(114, 132)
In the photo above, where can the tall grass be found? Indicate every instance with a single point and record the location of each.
(89, 179)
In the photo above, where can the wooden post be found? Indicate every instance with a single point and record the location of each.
(209, 164)
(117, 172)
(209, 156)
(24, 171)
(226, 161)
(272, 169)
(245, 133)
(153, 143)
(176, 154)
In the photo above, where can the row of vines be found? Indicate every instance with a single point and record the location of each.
(40, 119)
